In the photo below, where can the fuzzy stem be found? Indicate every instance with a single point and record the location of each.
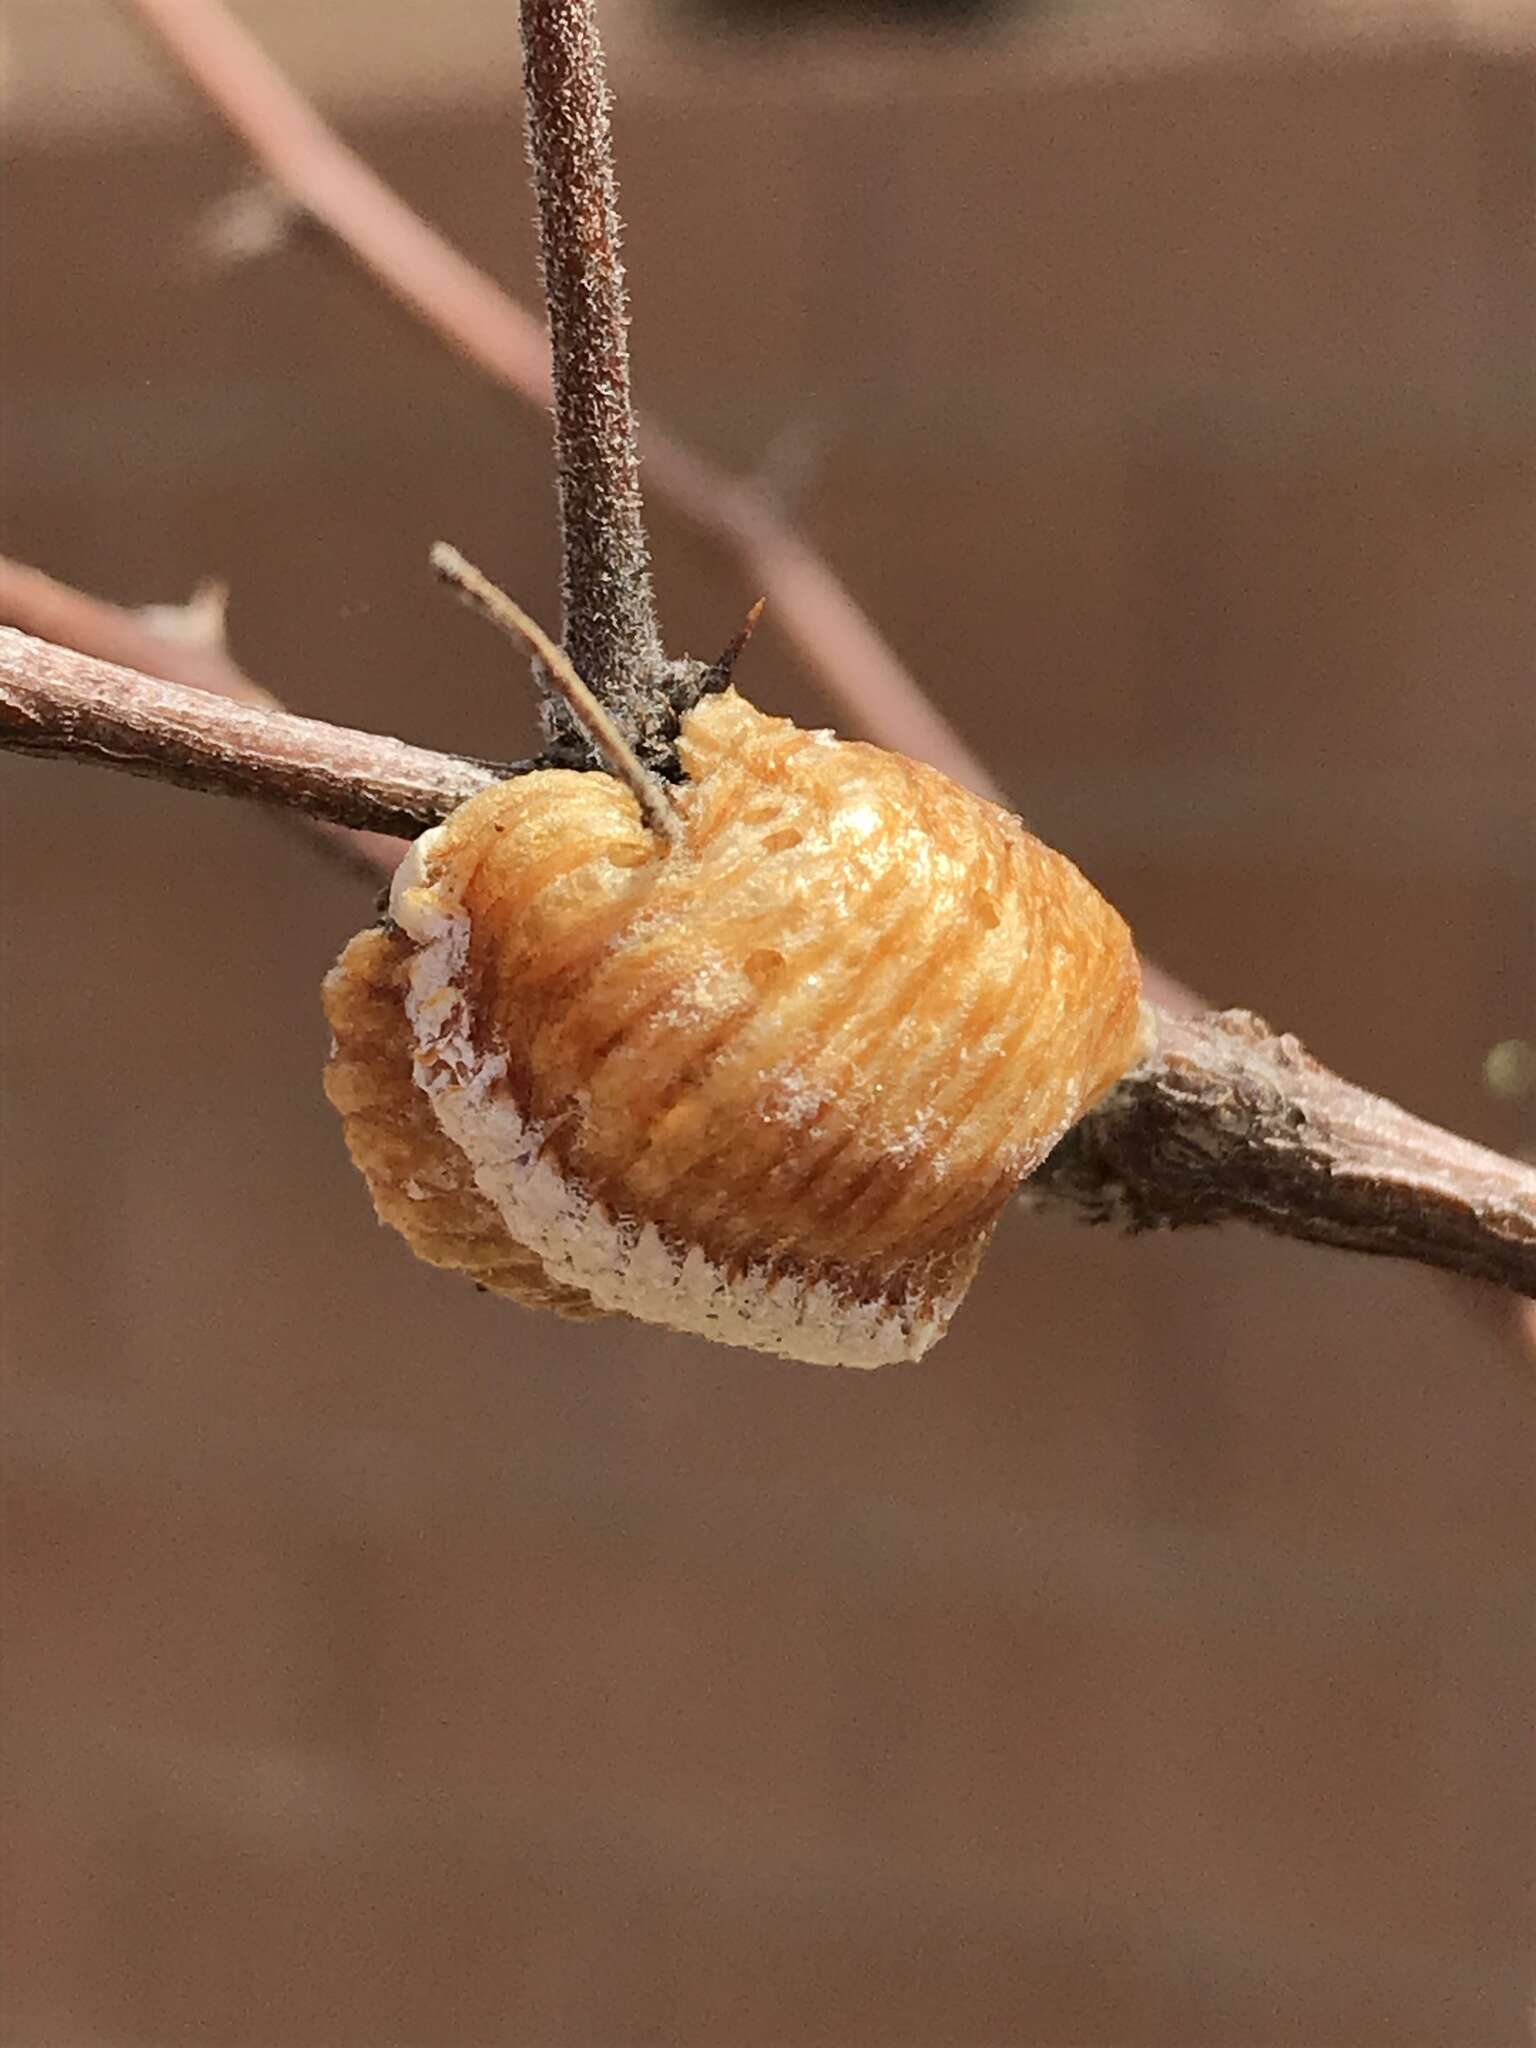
(610, 629)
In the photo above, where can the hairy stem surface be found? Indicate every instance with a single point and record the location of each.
(610, 630)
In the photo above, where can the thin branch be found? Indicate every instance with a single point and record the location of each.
(1225, 1122)
(610, 629)
(54, 611)
(1230, 1122)
(484, 325)
(598, 725)
(332, 184)
(56, 702)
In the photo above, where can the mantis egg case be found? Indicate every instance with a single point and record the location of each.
(771, 1083)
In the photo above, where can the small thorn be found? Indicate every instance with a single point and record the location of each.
(199, 622)
(718, 675)
(595, 720)
(249, 222)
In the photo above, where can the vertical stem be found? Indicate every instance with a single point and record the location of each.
(610, 629)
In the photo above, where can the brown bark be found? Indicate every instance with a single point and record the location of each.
(1232, 1122)
(71, 618)
(54, 702)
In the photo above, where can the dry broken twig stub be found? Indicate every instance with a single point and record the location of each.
(40, 605)
(1224, 1122)
(590, 714)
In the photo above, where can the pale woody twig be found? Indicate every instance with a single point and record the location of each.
(1233, 1122)
(56, 702)
(593, 718)
(55, 611)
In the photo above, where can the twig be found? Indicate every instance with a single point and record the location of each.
(54, 701)
(332, 184)
(1225, 1122)
(596, 722)
(1231, 1122)
(54, 611)
(610, 628)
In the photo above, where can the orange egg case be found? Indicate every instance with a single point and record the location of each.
(772, 1082)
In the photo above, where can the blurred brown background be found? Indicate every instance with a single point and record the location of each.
(1152, 1665)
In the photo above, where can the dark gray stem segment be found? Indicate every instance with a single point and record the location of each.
(610, 630)
(1231, 1122)
(56, 702)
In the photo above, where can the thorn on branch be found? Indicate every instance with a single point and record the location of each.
(718, 675)
(201, 621)
(254, 220)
